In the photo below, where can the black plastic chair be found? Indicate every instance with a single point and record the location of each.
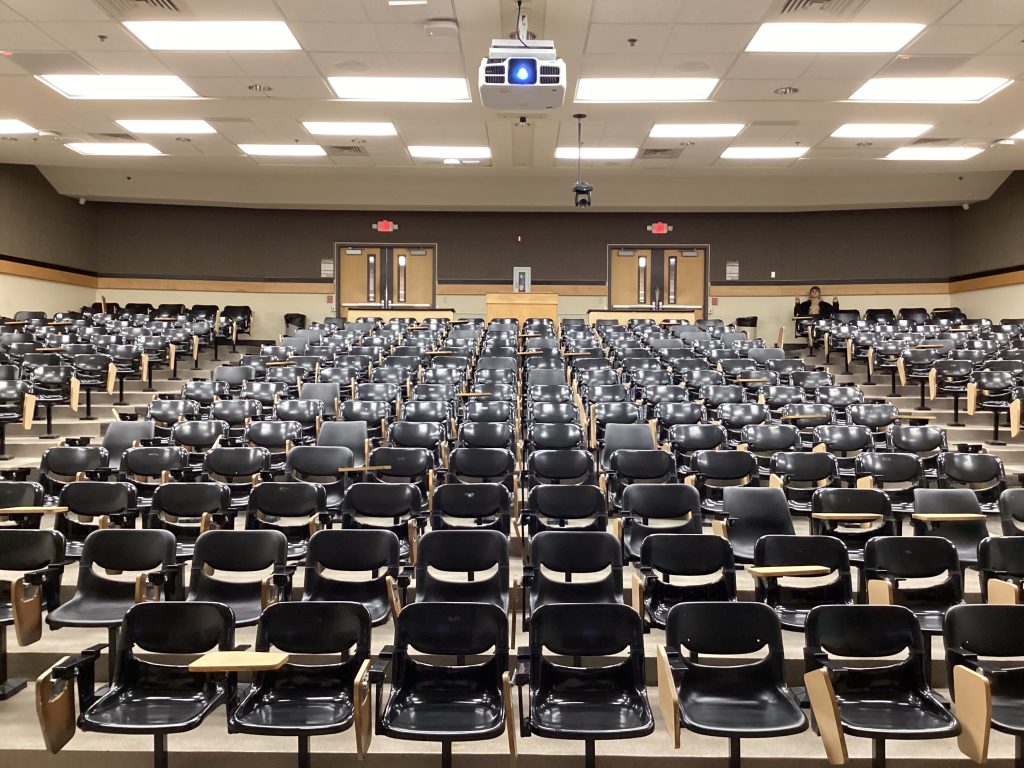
(852, 515)
(738, 701)
(369, 551)
(711, 472)
(240, 552)
(297, 509)
(570, 701)
(564, 507)
(319, 696)
(487, 506)
(667, 555)
(1001, 569)
(22, 494)
(39, 557)
(751, 513)
(789, 573)
(652, 509)
(799, 475)
(392, 507)
(144, 697)
(91, 506)
(188, 510)
(986, 691)
(868, 700)
(1011, 511)
(478, 557)
(446, 702)
(954, 514)
(982, 473)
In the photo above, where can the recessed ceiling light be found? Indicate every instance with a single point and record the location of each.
(695, 130)
(452, 161)
(880, 130)
(115, 148)
(595, 153)
(1018, 135)
(10, 127)
(283, 150)
(444, 153)
(411, 89)
(932, 90)
(119, 86)
(176, 127)
(214, 35)
(612, 90)
(764, 153)
(351, 129)
(403, 3)
(933, 153)
(832, 37)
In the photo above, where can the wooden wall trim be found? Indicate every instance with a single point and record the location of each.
(1000, 280)
(828, 290)
(480, 289)
(217, 286)
(51, 275)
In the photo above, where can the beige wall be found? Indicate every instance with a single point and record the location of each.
(995, 303)
(18, 293)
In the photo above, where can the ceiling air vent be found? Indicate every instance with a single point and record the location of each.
(660, 154)
(919, 142)
(112, 136)
(347, 150)
(839, 9)
(135, 10)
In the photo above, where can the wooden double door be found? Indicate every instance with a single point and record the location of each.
(675, 277)
(386, 276)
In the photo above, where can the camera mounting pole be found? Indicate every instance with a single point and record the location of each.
(580, 117)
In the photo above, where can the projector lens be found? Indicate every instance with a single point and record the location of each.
(522, 71)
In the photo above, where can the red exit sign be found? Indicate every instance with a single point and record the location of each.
(385, 225)
(659, 228)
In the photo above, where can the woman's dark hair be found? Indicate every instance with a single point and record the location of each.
(814, 288)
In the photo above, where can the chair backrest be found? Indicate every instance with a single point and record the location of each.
(121, 435)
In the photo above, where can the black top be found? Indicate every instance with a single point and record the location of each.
(825, 309)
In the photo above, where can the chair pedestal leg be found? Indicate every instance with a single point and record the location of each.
(7, 687)
(174, 371)
(446, 754)
(894, 393)
(995, 430)
(878, 753)
(734, 752)
(88, 406)
(922, 406)
(112, 658)
(956, 411)
(1018, 753)
(149, 380)
(3, 444)
(49, 423)
(304, 759)
(160, 750)
(591, 754)
(120, 391)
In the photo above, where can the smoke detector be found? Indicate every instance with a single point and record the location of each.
(441, 28)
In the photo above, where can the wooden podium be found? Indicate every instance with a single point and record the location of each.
(522, 305)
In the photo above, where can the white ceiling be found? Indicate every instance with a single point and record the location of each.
(701, 38)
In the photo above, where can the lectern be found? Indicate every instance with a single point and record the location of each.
(522, 305)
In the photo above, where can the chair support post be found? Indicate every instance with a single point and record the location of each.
(112, 654)
(894, 393)
(922, 406)
(446, 754)
(49, 423)
(3, 448)
(88, 406)
(120, 391)
(590, 761)
(304, 759)
(995, 429)
(878, 753)
(956, 411)
(1018, 752)
(7, 687)
(160, 750)
(734, 752)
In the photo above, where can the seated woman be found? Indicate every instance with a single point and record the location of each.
(811, 310)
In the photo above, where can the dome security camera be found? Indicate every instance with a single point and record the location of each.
(582, 191)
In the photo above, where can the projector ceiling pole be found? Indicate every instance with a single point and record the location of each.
(579, 144)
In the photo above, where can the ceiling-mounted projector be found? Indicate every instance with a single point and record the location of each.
(522, 75)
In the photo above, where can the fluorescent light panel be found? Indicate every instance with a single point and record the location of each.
(283, 150)
(119, 86)
(595, 153)
(933, 153)
(695, 130)
(350, 129)
(174, 127)
(764, 153)
(614, 90)
(407, 89)
(456, 153)
(834, 37)
(403, 3)
(214, 35)
(114, 148)
(9, 127)
(930, 90)
(881, 130)
(1018, 135)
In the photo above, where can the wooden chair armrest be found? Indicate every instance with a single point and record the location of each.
(851, 516)
(880, 592)
(973, 708)
(826, 715)
(947, 517)
(668, 696)
(238, 661)
(781, 571)
(1002, 592)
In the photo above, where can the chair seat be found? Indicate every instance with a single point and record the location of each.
(1008, 713)
(6, 615)
(435, 711)
(305, 710)
(79, 612)
(911, 716)
(180, 706)
(590, 711)
(557, 593)
(247, 611)
(740, 712)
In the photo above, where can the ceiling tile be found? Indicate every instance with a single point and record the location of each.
(323, 10)
(611, 65)
(698, 65)
(460, 134)
(282, 88)
(710, 38)
(125, 63)
(993, 65)
(23, 36)
(378, 11)
(634, 11)
(410, 38)
(353, 64)
(276, 64)
(958, 39)
(919, 11)
(57, 10)
(428, 64)
(79, 36)
(333, 36)
(985, 12)
(718, 12)
(7, 14)
(769, 66)
(200, 64)
(1012, 42)
(613, 38)
(846, 66)
(763, 90)
(249, 10)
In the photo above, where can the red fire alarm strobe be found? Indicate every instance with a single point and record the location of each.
(384, 225)
(659, 228)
